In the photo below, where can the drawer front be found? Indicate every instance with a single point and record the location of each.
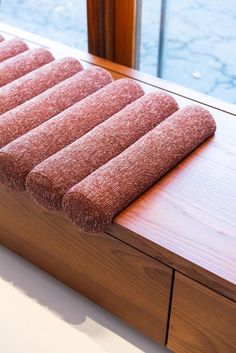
(123, 280)
(202, 321)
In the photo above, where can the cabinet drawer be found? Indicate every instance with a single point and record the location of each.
(123, 280)
(202, 321)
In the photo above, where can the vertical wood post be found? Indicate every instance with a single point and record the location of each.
(114, 30)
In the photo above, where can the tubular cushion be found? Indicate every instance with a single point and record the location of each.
(10, 48)
(94, 202)
(19, 157)
(23, 63)
(34, 83)
(50, 180)
(39, 109)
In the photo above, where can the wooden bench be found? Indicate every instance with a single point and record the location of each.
(167, 265)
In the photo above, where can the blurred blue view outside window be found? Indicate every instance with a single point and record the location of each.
(189, 42)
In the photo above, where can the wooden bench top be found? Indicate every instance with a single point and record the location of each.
(187, 220)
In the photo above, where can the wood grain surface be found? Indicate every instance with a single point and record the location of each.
(127, 27)
(202, 321)
(112, 30)
(100, 24)
(125, 281)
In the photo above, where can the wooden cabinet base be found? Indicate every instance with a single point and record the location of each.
(202, 321)
(123, 280)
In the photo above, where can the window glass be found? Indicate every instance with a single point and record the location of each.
(199, 47)
(61, 20)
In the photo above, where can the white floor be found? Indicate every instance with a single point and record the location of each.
(39, 314)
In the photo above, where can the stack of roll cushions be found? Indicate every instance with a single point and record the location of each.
(23, 154)
(60, 172)
(10, 48)
(36, 82)
(21, 64)
(81, 143)
(36, 111)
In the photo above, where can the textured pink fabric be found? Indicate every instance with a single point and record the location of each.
(1, 38)
(10, 48)
(39, 109)
(23, 63)
(20, 156)
(50, 180)
(37, 81)
(94, 202)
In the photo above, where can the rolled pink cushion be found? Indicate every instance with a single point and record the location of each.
(94, 201)
(51, 179)
(19, 157)
(23, 63)
(1, 38)
(39, 109)
(37, 81)
(10, 48)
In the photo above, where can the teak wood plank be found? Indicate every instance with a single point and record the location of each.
(126, 32)
(202, 321)
(121, 279)
(100, 25)
(112, 30)
(187, 219)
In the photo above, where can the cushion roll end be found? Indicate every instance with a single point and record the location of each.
(43, 192)
(83, 212)
(10, 173)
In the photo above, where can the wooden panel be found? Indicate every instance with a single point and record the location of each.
(113, 31)
(127, 29)
(126, 282)
(100, 22)
(202, 321)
